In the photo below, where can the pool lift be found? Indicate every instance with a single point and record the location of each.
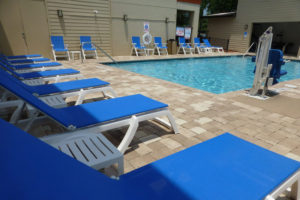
(262, 79)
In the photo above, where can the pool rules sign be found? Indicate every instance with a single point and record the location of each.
(146, 27)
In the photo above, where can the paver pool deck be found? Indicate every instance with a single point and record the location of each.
(273, 123)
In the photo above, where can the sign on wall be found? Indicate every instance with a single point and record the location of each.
(146, 27)
(187, 32)
(180, 31)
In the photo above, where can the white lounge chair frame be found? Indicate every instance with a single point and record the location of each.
(181, 47)
(92, 149)
(38, 69)
(132, 121)
(201, 48)
(137, 51)
(67, 53)
(84, 54)
(164, 50)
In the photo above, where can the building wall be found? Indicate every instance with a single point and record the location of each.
(79, 19)
(38, 20)
(252, 11)
(23, 27)
(195, 8)
(139, 11)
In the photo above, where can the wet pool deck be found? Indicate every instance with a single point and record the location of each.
(199, 115)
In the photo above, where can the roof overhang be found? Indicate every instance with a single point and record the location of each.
(227, 14)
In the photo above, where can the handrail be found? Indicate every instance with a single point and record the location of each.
(105, 53)
(248, 49)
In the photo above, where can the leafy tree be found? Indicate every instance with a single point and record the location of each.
(215, 6)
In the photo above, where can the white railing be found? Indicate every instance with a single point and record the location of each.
(248, 49)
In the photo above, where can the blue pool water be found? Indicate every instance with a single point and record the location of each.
(216, 75)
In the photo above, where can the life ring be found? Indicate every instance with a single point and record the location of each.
(147, 38)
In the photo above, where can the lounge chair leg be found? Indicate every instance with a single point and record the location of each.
(96, 54)
(114, 94)
(16, 115)
(295, 193)
(80, 98)
(133, 125)
(171, 124)
(68, 54)
(120, 167)
(136, 52)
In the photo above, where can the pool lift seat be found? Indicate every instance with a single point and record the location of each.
(262, 77)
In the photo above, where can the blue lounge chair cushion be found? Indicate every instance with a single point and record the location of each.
(24, 56)
(47, 173)
(58, 43)
(182, 43)
(158, 42)
(86, 43)
(102, 111)
(37, 65)
(207, 43)
(137, 43)
(67, 86)
(86, 114)
(225, 167)
(49, 73)
(30, 60)
(60, 50)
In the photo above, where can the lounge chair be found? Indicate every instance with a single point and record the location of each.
(225, 167)
(28, 61)
(33, 67)
(218, 49)
(96, 116)
(58, 46)
(29, 56)
(79, 88)
(86, 45)
(184, 46)
(137, 48)
(40, 77)
(199, 47)
(159, 46)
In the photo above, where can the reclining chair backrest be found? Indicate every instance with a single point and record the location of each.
(136, 41)
(157, 41)
(58, 42)
(206, 42)
(86, 42)
(181, 40)
(25, 95)
(197, 40)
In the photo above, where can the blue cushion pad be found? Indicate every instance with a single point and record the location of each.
(106, 110)
(30, 60)
(37, 65)
(58, 49)
(46, 173)
(68, 86)
(89, 49)
(31, 169)
(225, 167)
(24, 56)
(47, 73)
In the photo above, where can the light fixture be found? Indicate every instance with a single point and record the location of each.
(125, 18)
(60, 13)
(246, 26)
(167, 20)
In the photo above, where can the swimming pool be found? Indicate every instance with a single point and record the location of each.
(215, 74)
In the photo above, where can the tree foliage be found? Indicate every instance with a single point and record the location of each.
(218, 6)
(215, 6)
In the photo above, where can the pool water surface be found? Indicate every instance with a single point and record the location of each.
(215, 74)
